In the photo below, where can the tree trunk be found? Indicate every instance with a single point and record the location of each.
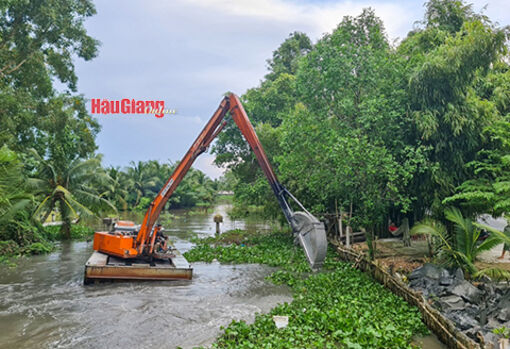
(406, 236)
(65, 229)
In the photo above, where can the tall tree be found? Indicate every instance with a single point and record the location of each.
(286, 58)
(38, 40)
(445, 60)
(72, 187)
(347, 142)
(142, 179)
(116, 188)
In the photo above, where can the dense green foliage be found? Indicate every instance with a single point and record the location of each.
(40, 242)
(393, 130)
(138, 184)
(48, 132)
(14, 196)
(457, 244)
(38, 41)
(338, 307)
(19, 233)
(489, 190)
(78, 232)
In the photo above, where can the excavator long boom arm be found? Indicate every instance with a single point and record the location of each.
(204, 139)
(307, 228)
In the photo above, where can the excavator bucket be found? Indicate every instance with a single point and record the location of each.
(312, 237)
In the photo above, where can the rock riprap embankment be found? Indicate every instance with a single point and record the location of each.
(476, 310)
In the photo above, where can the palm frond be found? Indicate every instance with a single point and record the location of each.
(36, 184)
(45, 168)
(504, 238)
(488, 244)
(89, 164)
(96, 199)
(433, 228)
(69, 199)
(496, 274)
(464, 262)
(11, 211)
(41, 205)
(454, 215)
(70, 207)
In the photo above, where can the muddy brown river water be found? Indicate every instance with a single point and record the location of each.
(44, 304)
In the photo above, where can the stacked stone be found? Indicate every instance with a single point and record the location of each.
(476, 310)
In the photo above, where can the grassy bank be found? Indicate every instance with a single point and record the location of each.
(339, 307)
(78, 232)
(42, 241)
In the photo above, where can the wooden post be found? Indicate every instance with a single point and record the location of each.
(340, 225)
(348, 230)
(337, 222)
(218, 219)
(406, 237)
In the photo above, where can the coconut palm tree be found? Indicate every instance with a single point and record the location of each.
(72, 188)
(116, 190)
(142, 179)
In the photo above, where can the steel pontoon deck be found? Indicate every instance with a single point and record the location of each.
(100, 266)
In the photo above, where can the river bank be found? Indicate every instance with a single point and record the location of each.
(46, 238)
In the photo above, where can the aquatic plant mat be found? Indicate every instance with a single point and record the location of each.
(340, 307)
(444, 329)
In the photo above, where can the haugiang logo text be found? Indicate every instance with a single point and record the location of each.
(129, 106)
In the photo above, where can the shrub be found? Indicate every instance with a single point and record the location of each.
(78, 232)
(9, 248)
(38, 248)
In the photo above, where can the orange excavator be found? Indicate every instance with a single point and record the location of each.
(147, 242)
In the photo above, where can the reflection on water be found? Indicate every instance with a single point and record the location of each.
(44, 303)
(181, 224)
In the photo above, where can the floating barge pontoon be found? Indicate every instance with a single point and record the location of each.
(102, 267)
